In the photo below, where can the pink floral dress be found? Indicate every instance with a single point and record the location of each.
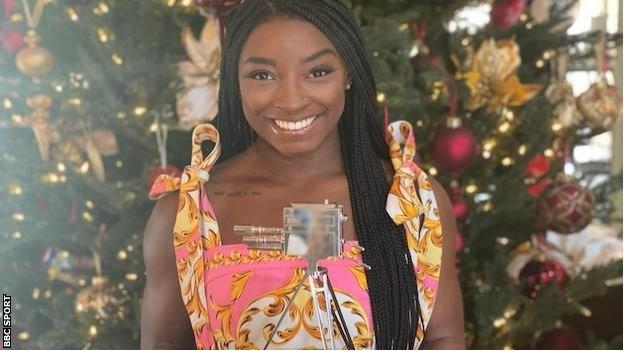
(234, 296)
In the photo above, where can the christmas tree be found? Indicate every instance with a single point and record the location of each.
(99, 98)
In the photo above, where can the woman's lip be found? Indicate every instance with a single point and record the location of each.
(303, 131)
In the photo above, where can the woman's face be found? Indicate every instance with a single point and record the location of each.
(292, 85)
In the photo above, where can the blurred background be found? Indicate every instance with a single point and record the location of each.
(517, 112)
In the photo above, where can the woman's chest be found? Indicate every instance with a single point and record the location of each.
(259, 205)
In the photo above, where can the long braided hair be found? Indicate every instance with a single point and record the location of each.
(391, 281)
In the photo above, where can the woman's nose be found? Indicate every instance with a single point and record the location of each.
(290, 96)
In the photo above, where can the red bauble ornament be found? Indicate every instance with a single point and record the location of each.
(505, 13)
(564, 207)
(157, 171)
(12, 41)
(460, 205)
(536, 169)
(454, 146)
(537, 273)
(559, 339)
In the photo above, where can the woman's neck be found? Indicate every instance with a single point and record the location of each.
(268, 162)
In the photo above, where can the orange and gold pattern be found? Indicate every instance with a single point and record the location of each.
(234, 296)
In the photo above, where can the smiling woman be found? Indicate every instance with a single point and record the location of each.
(298, 123)
(294, 105)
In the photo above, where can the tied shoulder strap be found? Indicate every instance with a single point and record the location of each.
(411, 202)
(195, 230)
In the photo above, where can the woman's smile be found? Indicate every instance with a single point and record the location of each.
(299, 127)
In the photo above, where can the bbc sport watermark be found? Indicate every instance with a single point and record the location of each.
(6, 321)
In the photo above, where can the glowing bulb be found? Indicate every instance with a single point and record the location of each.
(510, 312)
(499, 322)
(122, 255)
(486, 154)
(140, 110)
(18, 216)
(504, 127)
(549, 153)
(93, 331)
(72, 14)
(507, 161)
(103, 7)
(87, 216)
(489, 144)
(7, 103)
(381, 97)
(117, 59)
(433, 171)
(84, 168)
(556, 126)
(522, 149)
(15, 190)
(102, 35)
(61, 167)
(471, 189)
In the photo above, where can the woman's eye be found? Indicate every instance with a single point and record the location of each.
(320, 72)
(260, 75)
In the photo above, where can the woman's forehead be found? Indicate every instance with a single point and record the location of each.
(286, 38)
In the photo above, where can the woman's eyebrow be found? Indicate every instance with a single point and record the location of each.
(271, 62)
(318, 54)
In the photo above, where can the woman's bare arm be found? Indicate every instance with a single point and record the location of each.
(164, 321)
(446, 326)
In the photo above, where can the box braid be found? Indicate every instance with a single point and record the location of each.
(391, 281)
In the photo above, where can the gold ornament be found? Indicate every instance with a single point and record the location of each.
(560, 93)
(95, 145)
(490, 75)
(72, 152)
(601, 104)
(95, 159)
(95, 298)
(39, 121)
(33, 60)
(197, 103)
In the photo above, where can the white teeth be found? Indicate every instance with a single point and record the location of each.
(295, 126)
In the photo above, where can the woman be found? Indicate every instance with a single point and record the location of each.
(298, 123)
